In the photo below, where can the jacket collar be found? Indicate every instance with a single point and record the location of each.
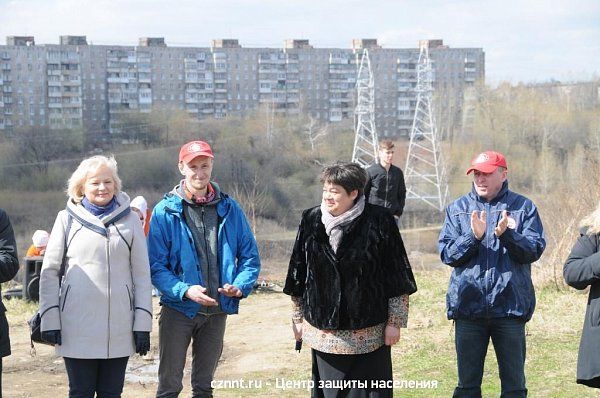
(175, 201)
(498, 197)
(322, 237)
(94, 223)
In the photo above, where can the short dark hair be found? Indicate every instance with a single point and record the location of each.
(386, 144)
(349, 176)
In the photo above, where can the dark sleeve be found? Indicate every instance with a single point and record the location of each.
(399, 279)
(401, 193)
(368, 186)
(295, 281)
(528, 245)
(9, 260)
(582, 267)
(456, 248)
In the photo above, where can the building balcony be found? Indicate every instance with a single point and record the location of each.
(71, 83)
(192, 100)
(55, 105)
(119, 80)
(69, 94)
(192, 110)
(267, 61)
(337, 71)
(221, 90)
(70, 72)
(339, 61)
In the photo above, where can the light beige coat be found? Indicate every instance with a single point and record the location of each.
(106, 292)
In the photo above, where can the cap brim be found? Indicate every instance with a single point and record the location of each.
(189, 157)
(484, 168)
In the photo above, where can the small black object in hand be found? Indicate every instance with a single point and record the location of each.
(298, 345)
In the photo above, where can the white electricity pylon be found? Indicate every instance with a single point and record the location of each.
(365, 139)
(424, 174)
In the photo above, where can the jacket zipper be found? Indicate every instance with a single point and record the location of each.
(207, 277)
(65, 298)
(487, 258)
(387, 180)
(108, 262)
(129, 297)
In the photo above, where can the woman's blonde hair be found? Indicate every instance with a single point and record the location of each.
(592, 222)
(90, 165)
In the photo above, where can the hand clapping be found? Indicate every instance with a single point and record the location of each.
(479, 224)
(502, 224)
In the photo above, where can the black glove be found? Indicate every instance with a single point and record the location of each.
(52, 337)
(142, 342)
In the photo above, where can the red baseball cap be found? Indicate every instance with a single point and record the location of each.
(487, 162)
(194, 149)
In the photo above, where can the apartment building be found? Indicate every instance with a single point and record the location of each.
(74, 84)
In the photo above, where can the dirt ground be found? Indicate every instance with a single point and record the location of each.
(258, 342)
(259, 348)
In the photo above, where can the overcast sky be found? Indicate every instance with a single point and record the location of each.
(529, 40)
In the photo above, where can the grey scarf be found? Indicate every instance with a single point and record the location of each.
(333, 225)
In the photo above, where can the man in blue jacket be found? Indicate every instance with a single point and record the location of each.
(204, 260)
(490, 237)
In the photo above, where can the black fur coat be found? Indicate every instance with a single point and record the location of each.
(349, 289)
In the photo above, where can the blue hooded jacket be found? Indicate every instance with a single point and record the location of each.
(492, 277)
(174, 261)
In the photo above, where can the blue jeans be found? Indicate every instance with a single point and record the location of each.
(472, 338)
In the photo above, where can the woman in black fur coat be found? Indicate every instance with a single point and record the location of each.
(349, 278)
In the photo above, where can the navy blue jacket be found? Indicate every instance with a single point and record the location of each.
(492, 277)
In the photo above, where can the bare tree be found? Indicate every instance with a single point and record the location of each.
(313, 132)
(253, 197)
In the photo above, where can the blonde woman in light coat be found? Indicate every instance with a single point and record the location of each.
(101, 313)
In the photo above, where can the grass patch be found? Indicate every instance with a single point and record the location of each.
(260, 338)
(426, 349)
